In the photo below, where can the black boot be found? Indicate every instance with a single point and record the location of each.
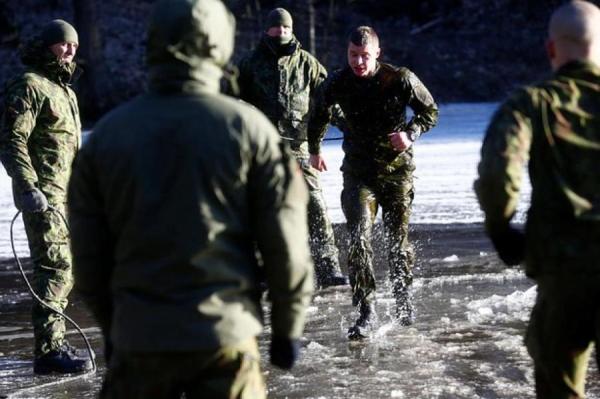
(364, 323)
(329, 274)
(64, 360)
(76, 351)
(332, 280)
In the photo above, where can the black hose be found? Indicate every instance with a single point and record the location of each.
(41, 301)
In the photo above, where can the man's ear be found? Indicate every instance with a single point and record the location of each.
(378, 53)
(550, 49)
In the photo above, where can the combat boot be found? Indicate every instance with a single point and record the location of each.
(333, 280)
(364, 323)
(76, 351)
(64, 360)
(330, 275)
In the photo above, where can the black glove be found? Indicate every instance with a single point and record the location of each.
(33, 201)
(510, 245)
(284, 352)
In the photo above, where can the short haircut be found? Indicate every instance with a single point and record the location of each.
(363, 35)
(575, 22)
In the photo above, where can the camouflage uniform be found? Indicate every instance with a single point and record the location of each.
(165, 238)
(40, 135)
(375, 174)
(554, 126)
(281, 83)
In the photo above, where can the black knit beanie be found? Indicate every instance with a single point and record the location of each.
(58, 31)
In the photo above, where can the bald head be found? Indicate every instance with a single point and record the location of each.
(574, 33)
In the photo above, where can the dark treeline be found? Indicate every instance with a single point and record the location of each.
(464, 50)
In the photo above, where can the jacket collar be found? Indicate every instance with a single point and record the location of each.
(579, 70)
(279, 51)
(41, 60)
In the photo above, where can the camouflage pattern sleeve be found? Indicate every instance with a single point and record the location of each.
(504, 153)
(422, 103)
(278, 207)
(320, 117)
(91, 242)
(318, 75)
(21, 109)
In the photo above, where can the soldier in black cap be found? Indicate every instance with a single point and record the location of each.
(40, 134)
(280, 79)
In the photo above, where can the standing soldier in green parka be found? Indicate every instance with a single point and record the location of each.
(40, 135)
(378, 164)
(554, 126)
(280, 79)
(171, 197)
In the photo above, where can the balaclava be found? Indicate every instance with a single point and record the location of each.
(280, 17)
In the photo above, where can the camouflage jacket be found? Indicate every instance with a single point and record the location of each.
(282, 85)
(41, 129)
(554, 128)
(373, 108)
(173, 195)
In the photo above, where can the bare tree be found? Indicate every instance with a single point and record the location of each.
(303, 13)
(94, 86)
(311, 27)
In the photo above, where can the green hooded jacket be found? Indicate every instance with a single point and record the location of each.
(173, 194)
(553, 127)
(282, 83)
(41, 129)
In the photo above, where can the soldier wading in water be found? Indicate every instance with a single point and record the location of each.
(378, 164)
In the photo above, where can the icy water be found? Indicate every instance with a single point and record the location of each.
(471, 311)
(446, 158)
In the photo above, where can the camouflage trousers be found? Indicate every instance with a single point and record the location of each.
(360, 202)
(52, 280)
(564, 325)
(322, 240)
(231, 372)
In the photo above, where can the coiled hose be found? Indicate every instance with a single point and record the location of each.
(43, 303)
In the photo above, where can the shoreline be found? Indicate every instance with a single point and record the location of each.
(429, 240)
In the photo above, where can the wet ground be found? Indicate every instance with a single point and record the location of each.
(466, 341)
